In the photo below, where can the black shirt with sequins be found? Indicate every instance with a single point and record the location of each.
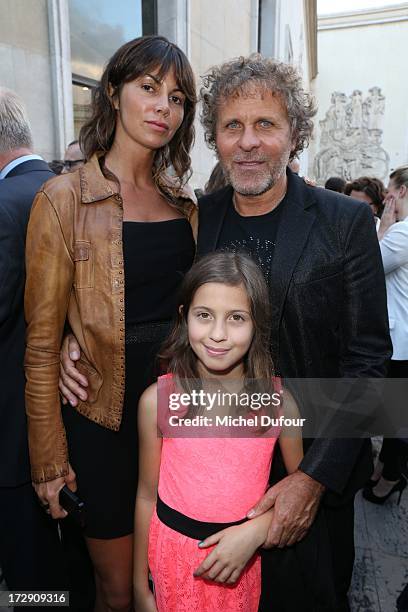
(255, 236)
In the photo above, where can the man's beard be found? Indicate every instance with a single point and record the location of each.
(259, 183)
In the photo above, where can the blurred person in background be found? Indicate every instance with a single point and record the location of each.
(56, 165)
(30, 551)
(371, 191)
(73, 158)
(335, 183)
(388, 476)
(294, 165)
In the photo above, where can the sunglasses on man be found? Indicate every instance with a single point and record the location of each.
(72, 164)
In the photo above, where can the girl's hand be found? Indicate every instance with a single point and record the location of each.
(388, 217)
(235, 547)
(144, 601)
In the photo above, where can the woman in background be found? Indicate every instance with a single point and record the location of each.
(388, 476)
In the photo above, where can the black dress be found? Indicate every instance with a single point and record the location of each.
(156, 257)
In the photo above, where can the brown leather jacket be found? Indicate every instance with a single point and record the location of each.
(75, 273)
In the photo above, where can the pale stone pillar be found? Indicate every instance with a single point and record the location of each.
(61, 75)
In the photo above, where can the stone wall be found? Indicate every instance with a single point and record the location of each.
(362, 124)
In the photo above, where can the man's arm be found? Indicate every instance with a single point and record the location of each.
(366, 344)
(328, 463)
(364, 326)
(295, 501)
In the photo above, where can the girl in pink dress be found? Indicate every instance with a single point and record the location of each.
(198, 480)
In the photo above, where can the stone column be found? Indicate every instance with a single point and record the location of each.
(61, 75)
(173, 17)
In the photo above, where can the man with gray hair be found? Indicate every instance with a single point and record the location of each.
(320, 255)
(30, 550)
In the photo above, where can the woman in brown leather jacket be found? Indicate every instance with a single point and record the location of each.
(118, 222)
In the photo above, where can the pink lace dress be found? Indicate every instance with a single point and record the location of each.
(211, 480)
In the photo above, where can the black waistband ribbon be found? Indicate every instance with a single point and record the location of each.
(197, 530)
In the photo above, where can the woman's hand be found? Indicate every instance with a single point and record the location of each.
(144, 601)
(71, 383)
(235, 547)
(388, 217)
(48, 493)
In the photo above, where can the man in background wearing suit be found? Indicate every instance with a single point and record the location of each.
(30, 550)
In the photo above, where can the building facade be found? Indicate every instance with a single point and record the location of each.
(362, 124)
(52, 52)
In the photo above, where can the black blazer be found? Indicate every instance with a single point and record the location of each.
(17, 192)
(329, 308)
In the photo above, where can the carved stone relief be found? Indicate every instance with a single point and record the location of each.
(351, 137)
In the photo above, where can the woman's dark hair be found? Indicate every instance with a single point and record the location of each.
(372, 187)
(134, 59)
(216, 181)
(232, 269)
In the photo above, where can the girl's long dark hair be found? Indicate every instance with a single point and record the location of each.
(134, 59)
(232, 269)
